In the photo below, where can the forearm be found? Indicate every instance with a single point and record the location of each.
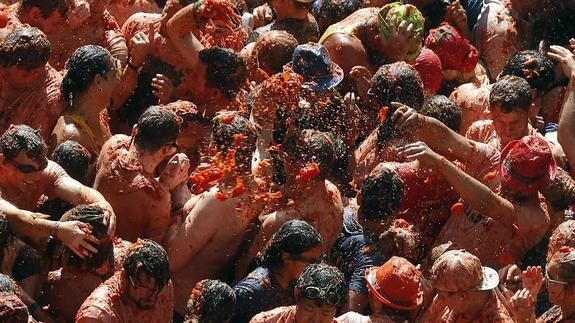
(566, 132)
(179, 29)
(183, 21)
(476, 194)
(24, 223)
(443, 140)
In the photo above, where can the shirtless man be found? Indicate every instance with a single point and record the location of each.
(25, 175)
(567, 120)
(68, 287)
(140, 292)
(47, 15)
(126, 171)
(29, 86)
(499, 228)
(214, 229)
(370, 37)
(306, 194)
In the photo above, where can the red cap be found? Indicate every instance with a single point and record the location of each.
(396, 284)
(428, 65)
(454, 50)
(527, 164)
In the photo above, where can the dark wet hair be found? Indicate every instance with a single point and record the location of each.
(187, 113)
(381, 193)
(93, 215)
(397, 82)
(157, 127)
(511, 93)
(74, 158)
(212, 301)
(147, 256)
(533, 66)
(224, 137)
(294, 237)
(560, 193)
(442, 109)
(6, 235)
(82, 67)
(27, 48)
(325, 114)
(310, 146)
(46, 7)
(22, 138)
(226, 70)
(328, 279)
(332, 11)
(7, 285)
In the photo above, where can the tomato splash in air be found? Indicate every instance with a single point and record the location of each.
(308, 173)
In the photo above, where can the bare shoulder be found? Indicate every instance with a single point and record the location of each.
(343, 43)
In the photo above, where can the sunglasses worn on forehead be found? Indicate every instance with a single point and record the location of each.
(314, 293)
(553, 281)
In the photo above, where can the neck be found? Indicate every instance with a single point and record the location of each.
(148, 161)
(283, 276)
(89, 108)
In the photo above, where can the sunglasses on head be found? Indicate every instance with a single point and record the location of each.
(553, 281)
(316, 294)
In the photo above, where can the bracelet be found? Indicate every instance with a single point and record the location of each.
(33, 307)
(54, 232)
(135, 68)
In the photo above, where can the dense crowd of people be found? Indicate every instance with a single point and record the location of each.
(292, 161)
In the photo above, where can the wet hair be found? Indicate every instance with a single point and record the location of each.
(224, 137)
(6, 235)
(187, 113)
(511, 93)
(22, 138)
(148, 257)
(565, 260)
(397, 82)
(157, 127)
(46, 7)
(442, 109)
(82, 67)
(328, 279)
(563, 235)
(74, 158)
(312, 146)
(26, 48)
(7, 285)
(332, 11)
(293, 237)
(560, 193)
(211, 301)
(93, 215)
(226, 70)
(381, 193)
(533, 66)
(273, 50)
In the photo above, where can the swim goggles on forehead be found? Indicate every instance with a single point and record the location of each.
(315, 293)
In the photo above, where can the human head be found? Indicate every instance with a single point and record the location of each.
(23, 155)
(91, 68)
(274, 49)
(319, 291)
(232, 131)
(100, 262)
(383, 283)
(147, 272)
(225, 73)
(391, 16)
(24, 54)
(309, 147)
(12, 309)
(211, 301)
(527, 166)
(563, 235)
(190, 124)
(48, 15)
(401, 239)
(295, 9)
(332, 11)
(461, 281)
(442, 109)
(380, 194)
(156, 129)
(74, 158)
(454, 50)
(560, 274)
(396, 82)
(510, 105)
(291, 248)
(7, 285)
(537, 69)
(313, 62)
(428, 65)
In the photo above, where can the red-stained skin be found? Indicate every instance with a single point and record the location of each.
(457, 209)
(308, 173)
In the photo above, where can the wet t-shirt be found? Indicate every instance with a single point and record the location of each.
(259, 292)
(492, 312)
(106, 304)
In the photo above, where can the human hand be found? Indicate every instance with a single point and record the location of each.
(163, 88)
(510, 276)
(109, 217)
(572, 44)
(405, 118)
(522, 306)
(77, 15)
(77, 236)
(141, 46)
(533, 279)
(262, 15)
(399, 41)
(361, 76)
(175, 172)
(419, 151)
(564, 57)
(456, 15)
(219, 12)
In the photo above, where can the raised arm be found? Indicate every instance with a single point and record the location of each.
(473, 192)
(566, 132)
(179, 29)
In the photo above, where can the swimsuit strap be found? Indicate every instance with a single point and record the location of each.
(79, 121)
